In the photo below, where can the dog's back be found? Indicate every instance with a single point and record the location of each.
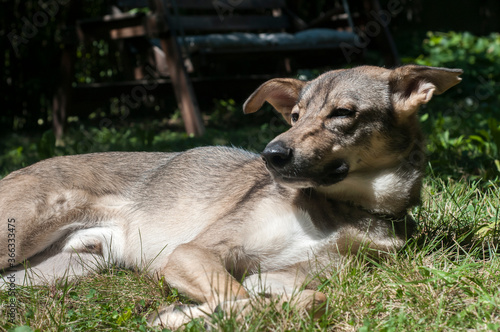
(126, 207)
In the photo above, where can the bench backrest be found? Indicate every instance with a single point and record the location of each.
(220, 16)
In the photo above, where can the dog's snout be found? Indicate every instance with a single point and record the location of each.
(277, 154)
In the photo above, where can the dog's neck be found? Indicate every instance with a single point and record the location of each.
(388, 192)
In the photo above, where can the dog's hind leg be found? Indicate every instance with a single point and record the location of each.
(58, 268)
(79, 253)
(35, 213)
(53, 265)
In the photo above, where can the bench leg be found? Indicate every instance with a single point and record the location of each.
(184, 92)
(61, 100)
(384, 39)
(63, 92)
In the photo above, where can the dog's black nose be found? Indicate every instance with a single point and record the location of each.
(277, 154)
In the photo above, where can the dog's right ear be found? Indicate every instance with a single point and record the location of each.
(281, 93)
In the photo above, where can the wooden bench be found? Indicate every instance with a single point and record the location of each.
(215, 40)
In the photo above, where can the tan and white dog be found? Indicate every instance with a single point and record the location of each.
(340, 179)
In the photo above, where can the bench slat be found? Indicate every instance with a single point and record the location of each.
(208, 24)
(211, 4)
(234, 4)
(101, 27)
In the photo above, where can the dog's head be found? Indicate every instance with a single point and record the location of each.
(347, 122)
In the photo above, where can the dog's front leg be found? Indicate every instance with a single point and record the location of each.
(200, 274)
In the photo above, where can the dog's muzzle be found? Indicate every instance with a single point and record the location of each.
(285, 167)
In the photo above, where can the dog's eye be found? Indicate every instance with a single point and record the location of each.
(341, 113)
(294, 117)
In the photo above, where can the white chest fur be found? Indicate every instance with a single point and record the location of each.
(280, 235)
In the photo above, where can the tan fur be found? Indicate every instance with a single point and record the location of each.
(224, 225)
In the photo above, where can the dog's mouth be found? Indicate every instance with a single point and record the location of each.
(297, 177)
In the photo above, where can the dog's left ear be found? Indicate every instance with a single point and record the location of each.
(413, 86)
(282, 93)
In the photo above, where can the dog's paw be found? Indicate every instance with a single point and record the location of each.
(175, 316)
(311, 301)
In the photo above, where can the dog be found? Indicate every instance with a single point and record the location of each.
(222, 224)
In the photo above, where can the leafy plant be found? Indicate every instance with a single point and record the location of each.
(462, 125)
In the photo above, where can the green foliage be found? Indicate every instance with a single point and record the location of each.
(33, 35)
(462, 125)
